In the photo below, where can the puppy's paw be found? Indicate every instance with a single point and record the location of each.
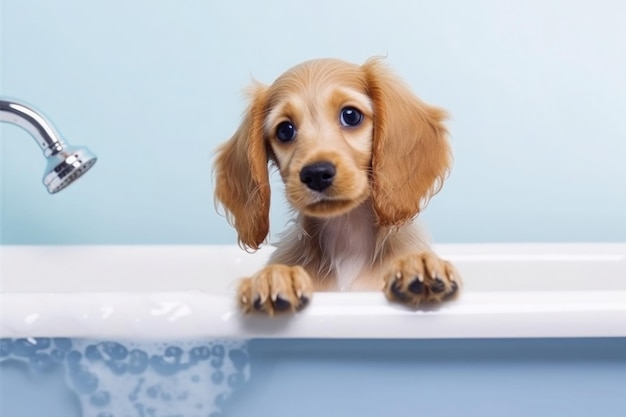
(421, 277)
(275, 289)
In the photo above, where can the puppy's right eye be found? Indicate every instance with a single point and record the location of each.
(285, 131)
(350, 117)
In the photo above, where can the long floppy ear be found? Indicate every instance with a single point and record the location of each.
(242, 183)
(411, 155)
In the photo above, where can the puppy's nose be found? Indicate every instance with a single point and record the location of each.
(318, 176)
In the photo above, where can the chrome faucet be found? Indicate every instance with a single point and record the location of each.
(66, 163)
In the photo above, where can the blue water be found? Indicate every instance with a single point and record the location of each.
(330, 378)
(89, 378)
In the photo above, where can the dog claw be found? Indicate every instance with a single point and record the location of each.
(397, 292)
(454, 289)
(417, 286)
(303, 302)
(280, 304)
(437, 286)
(258, 304)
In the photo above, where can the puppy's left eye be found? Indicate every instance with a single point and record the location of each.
(285, 131)
(350, 117)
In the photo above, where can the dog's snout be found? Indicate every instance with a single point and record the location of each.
(318, 176)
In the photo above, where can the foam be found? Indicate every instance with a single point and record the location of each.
(113, 378)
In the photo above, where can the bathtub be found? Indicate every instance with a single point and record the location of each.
(117, 331)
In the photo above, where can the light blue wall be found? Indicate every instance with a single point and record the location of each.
(537, 90)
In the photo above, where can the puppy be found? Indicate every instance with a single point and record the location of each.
(360, 156)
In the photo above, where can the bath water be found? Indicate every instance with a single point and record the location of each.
(106, 378)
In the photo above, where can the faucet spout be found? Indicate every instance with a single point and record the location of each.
(66, 163)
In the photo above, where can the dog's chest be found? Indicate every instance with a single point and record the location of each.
(349, 247)
(347, 270)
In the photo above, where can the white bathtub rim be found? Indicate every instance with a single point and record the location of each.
(571, 290)
(331, 315)
(111, 268)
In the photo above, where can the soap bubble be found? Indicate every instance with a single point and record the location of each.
(27, 347)
(41, 362)
(113, 350)
(93, 354)
(100, 398)
(199, 353)
(217, 377)
(73, 361)
(236, 380)
(84, 381)
(57, 355)
(119, 378)
(153, 392)
(63, 344)
(118, 368)
(173, 351)
(217, 363)
(137, 361)
(162, 366)
(218, 350)
(239, 358)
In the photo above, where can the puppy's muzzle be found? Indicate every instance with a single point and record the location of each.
(318, 176)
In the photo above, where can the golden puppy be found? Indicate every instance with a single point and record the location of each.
(360, 156)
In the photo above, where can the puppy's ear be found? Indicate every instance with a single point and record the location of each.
(242, 183)
(411, 155)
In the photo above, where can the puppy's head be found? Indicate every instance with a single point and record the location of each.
(340, 134)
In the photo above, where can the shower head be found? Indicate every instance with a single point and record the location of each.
(66, 163)
(66, 166)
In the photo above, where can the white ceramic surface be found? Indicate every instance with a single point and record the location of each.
(152, 292)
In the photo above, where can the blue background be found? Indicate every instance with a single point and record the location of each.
(536, 90)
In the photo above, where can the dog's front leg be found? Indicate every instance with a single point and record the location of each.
(421, 277)
(274, 289)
